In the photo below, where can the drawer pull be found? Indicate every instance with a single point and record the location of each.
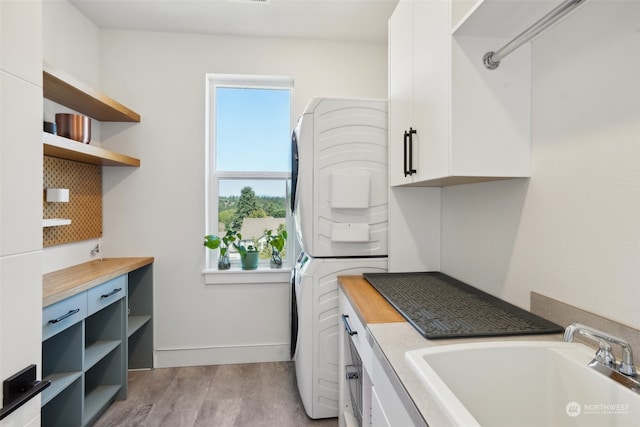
(113, 292)
(350, 331)
(64, 316)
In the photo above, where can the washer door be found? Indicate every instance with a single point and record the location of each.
(294, 170)
(294, 312)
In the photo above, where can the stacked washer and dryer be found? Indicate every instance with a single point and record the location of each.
(339, 202)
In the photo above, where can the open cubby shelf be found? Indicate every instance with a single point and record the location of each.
(87, 359)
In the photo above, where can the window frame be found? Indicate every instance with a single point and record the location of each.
(213, 177)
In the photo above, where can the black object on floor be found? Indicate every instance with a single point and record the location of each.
(439, 306)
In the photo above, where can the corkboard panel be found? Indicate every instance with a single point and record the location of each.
(85, 201)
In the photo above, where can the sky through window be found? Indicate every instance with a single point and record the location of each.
(253, 133)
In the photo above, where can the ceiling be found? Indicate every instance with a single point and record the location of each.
(357, 20)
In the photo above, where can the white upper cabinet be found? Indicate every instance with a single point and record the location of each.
(20, 165)
(21, 39)
(400, 87)
(451, 121)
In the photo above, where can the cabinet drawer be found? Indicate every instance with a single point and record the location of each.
(360, 336)
(59, 316)
(107, 293)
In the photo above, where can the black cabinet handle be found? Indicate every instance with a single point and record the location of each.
(64, 316)
(408, 152)
(350, 331)
(113, 292)
(406, 140)
(411, 170)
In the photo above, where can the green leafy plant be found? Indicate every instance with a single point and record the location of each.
(244, 248)
(276, 240)
(214, 242)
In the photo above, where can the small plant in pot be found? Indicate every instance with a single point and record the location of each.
(248, 251)
(214, 242)
(277, 241)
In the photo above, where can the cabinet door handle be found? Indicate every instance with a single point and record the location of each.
(64, 316)
(411, 170)
(406, 140)
(113, 292)
(350, 331)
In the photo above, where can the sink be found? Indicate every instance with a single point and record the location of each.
(523, 383)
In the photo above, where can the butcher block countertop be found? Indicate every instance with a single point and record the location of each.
(368, 302)
(62, 284)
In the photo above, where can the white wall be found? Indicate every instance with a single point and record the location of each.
(71, 43)
(571, 232)
(158, 209)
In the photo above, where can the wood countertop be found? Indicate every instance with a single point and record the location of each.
(371, 306)
(70, 281)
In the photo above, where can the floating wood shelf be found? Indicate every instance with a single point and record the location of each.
(64, 148)
(64, 89)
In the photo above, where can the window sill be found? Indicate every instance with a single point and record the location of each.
(236, 275)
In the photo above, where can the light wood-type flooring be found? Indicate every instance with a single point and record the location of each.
(245, 395)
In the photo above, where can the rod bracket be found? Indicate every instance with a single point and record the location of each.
(488, 61)
(538, 27)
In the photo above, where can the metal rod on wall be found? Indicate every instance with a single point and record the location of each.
(491, 60)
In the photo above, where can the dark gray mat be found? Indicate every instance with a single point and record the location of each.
(439, 306)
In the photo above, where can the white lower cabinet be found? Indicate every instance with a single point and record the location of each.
(354, 363)
(366, 395)
(390, 410)
(378, 417)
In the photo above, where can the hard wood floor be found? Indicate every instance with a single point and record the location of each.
(256, 394)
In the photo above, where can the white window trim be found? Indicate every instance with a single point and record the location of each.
(237, 276)
(212, 81)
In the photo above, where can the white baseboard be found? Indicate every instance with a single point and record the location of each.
(171, 358)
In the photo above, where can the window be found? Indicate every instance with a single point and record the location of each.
(249, 122)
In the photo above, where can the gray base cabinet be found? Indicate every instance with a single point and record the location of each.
(139, 319)
(90, 340)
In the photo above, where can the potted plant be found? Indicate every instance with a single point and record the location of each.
(214, 242)
(248, 253)
(277, 241)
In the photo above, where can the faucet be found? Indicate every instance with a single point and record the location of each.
(604, 354)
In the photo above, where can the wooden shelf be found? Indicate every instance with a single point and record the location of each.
(64, 148)
(65, 90)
